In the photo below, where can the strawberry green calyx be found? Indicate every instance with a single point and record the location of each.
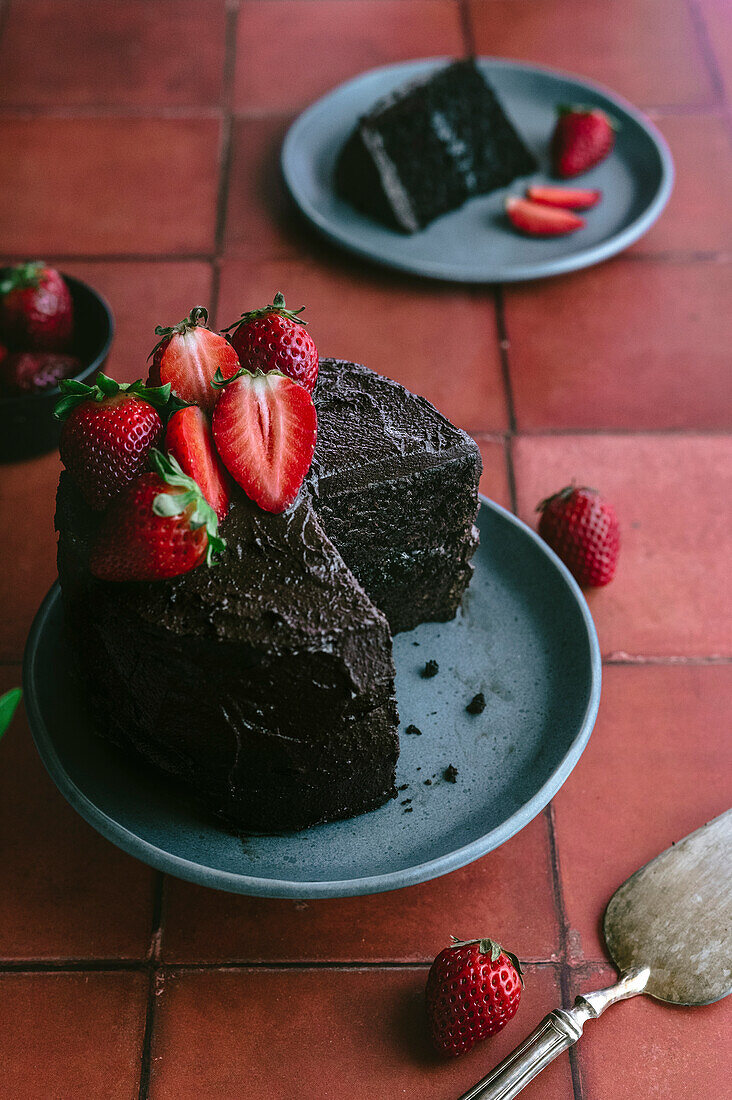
(174, 504)
(564, 494)
(197, 316)
(75, 393)
(219, 381)
(490, 947)
(20, 276)
(277, 306)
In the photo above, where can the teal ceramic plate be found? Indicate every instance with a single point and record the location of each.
(524, 637)
(476, 244)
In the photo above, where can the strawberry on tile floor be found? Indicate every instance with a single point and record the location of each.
(141, 144)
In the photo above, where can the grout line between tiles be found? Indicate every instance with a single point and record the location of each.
(706, 49)
(222, 198)
(503, 346)
(563, 939)
(161, 969)
(152, 965)
(466, 25)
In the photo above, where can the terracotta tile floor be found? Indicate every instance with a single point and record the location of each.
(140, 143)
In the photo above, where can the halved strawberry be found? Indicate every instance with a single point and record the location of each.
(188, 356)
(264, 426)
(569, 198)
(541, 221)
(188, 438)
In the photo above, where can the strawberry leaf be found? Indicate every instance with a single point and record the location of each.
(8, 705)
(76, 393)
(277, 306)
(21, 275)
(168, 505)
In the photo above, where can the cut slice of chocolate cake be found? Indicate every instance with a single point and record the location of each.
(266, 683)
(428, 147)
(396, 488)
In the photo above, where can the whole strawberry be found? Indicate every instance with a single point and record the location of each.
(583, 530)
(34, 371)
(473, 990)
(36, 310)
(158, 527)
(273, 338)
(108, 433)
(582, 138)
(188, 356)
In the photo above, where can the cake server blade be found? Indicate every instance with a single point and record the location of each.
(669, 931)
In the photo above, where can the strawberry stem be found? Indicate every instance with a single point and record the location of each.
(490, 947)
(277, 306)
(197, 316)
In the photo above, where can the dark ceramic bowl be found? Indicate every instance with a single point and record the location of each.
(27, 424)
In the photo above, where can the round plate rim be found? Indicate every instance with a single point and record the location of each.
(251, 885)
(575, 261)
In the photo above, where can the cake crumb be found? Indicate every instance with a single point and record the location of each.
(430, 669)
(451, 773)
(415, 643)
(414, 730)
(403, 787)
(406, 802)
(408, 809)
(428, 782)
(476, 704)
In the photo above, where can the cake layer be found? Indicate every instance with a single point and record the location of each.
(428, 147)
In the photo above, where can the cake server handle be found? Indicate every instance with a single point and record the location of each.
(556, 1033)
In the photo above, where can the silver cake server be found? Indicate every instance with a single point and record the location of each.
(669, 931)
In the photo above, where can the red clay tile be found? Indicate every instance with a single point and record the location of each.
(508, 892)
(323, 1033)
(437, 341)
(671, 594)
(650, 55)
(656, 768)
(72, 1035)
(71, 186)
(638, 344)
(718, 28)
(698, 217)
(494, 482)
(27, 506)
(79, 53)
(143, 295)
(67, 893)
(261, 221)
(329, 41)
(645, 1048)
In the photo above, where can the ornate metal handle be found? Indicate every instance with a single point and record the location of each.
(556, 1032)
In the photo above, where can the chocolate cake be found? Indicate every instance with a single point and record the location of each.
(266, 683)
(428, 147)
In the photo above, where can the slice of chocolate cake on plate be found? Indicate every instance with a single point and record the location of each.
(428, 147)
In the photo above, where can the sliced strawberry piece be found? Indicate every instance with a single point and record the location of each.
(569, 198)
(188, 356)
(264, 426)
(188, 438)
(541, 221)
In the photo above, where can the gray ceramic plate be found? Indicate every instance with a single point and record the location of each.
(524, 637)
(476, 243)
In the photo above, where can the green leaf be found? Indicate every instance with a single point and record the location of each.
(197, 316)
(8, 705)
(75, 393)
(170, 504)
